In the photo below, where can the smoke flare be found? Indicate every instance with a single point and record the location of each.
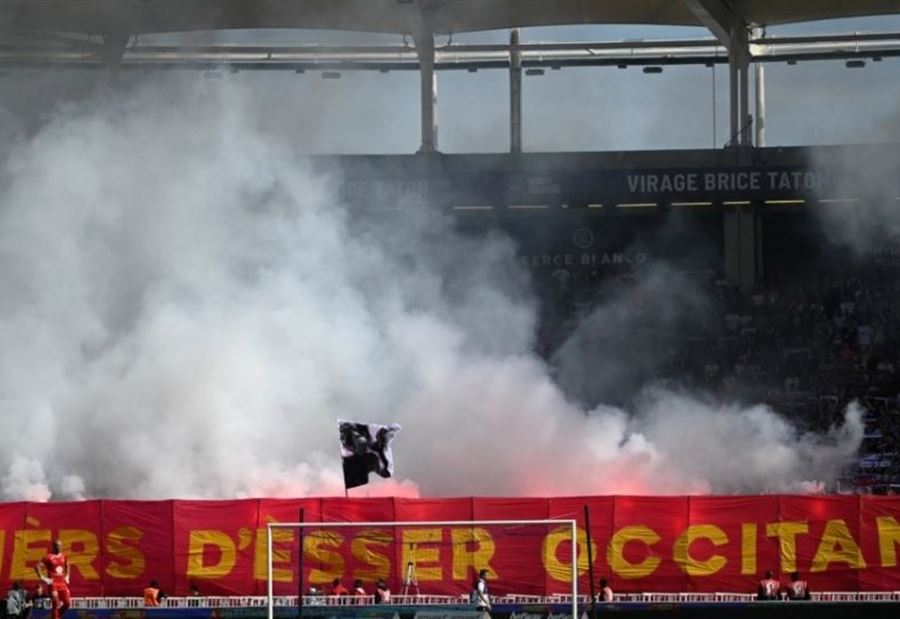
(186, 311)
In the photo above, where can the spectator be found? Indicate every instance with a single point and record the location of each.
(769, 588)
(17, 603)
(195, 601)
(481, 598)
(338, 589)
(314, 597)
(151, 595)
(382, 593)
(606, 593)
(38, 596)
(798, 589)
(359, 591)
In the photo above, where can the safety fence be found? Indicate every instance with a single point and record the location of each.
(131, 603)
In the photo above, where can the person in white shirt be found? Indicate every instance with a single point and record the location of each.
(359, 592)
(480, 596)
(17, 603)
(382, 593)
(606, 593)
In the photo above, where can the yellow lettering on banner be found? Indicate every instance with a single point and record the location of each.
(26, 552)
(199, 540)
(245, 538)
(615, 553)
(682, 550)
(281, 556)
(837, 546)
(421, 556)
(363, 549)
(82, 548)
(126, 561)
(787, 533)
(888, 538)
(475, 559)
(556, 569)
(317, 546)
(748, 548)
(2, 545)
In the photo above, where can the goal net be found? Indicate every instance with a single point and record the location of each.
(423, 562)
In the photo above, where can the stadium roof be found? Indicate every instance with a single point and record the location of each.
(403, 16)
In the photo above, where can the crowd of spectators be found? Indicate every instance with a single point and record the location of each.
(806, 345)
(809, 347)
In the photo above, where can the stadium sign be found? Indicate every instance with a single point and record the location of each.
(623, 259)
(574, 187)
(843, 543)
(721, 182)
(667, 185)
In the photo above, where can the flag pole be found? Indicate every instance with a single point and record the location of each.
(590, 550)
(300, 568)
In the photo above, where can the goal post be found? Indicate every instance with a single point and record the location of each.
(568, 525)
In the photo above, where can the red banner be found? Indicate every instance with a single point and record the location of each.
(839, 543)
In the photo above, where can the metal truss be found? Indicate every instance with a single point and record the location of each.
(62, 51)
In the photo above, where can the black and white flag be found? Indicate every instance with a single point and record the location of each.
(366, 448)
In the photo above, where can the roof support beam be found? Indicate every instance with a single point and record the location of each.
(425, 49)
(113, 50)
(716, 16)
(760, 89)
(515, 93)
(404, 58)
(728, 21)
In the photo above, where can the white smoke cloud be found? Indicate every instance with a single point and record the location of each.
(868, 176)
(25, 479)
(627, 340)
(754, 450)
(185, 310)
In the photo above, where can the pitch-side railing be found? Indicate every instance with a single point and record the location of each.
(259, 601)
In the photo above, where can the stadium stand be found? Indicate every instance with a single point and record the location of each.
(807, 342)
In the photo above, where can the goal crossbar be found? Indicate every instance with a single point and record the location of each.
(270, 585)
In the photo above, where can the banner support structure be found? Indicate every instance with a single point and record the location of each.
(270, 583)
(574, 569)
(590, 551)
(299, 569)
